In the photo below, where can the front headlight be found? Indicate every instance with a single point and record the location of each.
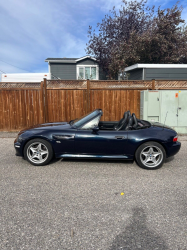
(18, 139)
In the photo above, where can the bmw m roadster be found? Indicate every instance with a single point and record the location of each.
(88, 137)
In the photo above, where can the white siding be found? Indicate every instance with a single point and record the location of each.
(25, 77)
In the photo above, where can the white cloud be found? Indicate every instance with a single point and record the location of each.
(104, 5)
(34, 30)
(109, 4)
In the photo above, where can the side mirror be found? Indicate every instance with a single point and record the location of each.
(95, 129)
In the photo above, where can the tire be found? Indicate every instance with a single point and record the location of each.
(150, 155)
(38, 152)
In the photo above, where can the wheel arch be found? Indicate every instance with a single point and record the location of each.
(154, 140)
(36, 137)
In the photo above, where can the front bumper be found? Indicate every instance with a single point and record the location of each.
(174, 149)
(17, 147)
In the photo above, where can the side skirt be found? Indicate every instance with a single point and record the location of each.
(125, 157)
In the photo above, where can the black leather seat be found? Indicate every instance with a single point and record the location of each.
(129, 113)
(135, 122)
(130, 123)
(122, 122)
(126, 122)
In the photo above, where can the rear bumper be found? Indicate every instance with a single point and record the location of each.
(174, 149)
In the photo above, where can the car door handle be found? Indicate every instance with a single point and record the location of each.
(119, 137)
(64, 137)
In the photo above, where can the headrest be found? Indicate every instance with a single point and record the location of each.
(125, 115)
(129, 113)
(135, 120)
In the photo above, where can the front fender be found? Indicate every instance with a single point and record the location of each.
(28, 136)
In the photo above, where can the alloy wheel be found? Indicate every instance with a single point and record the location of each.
(151, 156)
(37, 152)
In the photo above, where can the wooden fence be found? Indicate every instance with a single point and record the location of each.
(26, 104)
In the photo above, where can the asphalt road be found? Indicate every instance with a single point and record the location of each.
(92, 204)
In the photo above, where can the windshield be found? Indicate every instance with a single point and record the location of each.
(80, 121)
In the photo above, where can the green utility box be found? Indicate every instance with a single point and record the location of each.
(165, 106)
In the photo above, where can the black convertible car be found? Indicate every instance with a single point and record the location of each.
(88, 137)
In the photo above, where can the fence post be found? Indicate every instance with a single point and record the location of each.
(153, 84)
(42, 102)
(88, 95)
(45, 99)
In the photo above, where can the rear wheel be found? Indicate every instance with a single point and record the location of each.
(150, 155)
(38, 152)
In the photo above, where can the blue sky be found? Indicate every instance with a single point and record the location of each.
(32, 30)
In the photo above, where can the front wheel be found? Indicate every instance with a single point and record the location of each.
(150, 155)
(38, 152)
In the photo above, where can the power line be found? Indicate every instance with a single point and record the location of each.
(14, 66)
(56, 77)
(3, 72)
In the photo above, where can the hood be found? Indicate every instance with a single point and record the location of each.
(46, 126)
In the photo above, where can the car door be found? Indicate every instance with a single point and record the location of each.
(102, 142)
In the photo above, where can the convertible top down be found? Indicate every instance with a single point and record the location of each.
(88, 137)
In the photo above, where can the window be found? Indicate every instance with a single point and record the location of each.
(81, 73)
(80, 121)
(88, 72)
(92, 123)
(93, 72)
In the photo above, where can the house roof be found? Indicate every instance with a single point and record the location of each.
(85, 57)
(146, 65)
(68, 60)
(64, 58)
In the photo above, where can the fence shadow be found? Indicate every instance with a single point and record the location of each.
(137, 235)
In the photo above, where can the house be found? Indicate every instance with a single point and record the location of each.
(85, 67)
(157, 71)
(25, 77)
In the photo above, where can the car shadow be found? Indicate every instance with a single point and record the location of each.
(137, 235)
(55, 160)
(97, 160)
(169, 159)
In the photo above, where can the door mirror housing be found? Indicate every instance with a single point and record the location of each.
(95, 129)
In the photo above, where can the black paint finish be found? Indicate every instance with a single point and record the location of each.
(69, 141)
